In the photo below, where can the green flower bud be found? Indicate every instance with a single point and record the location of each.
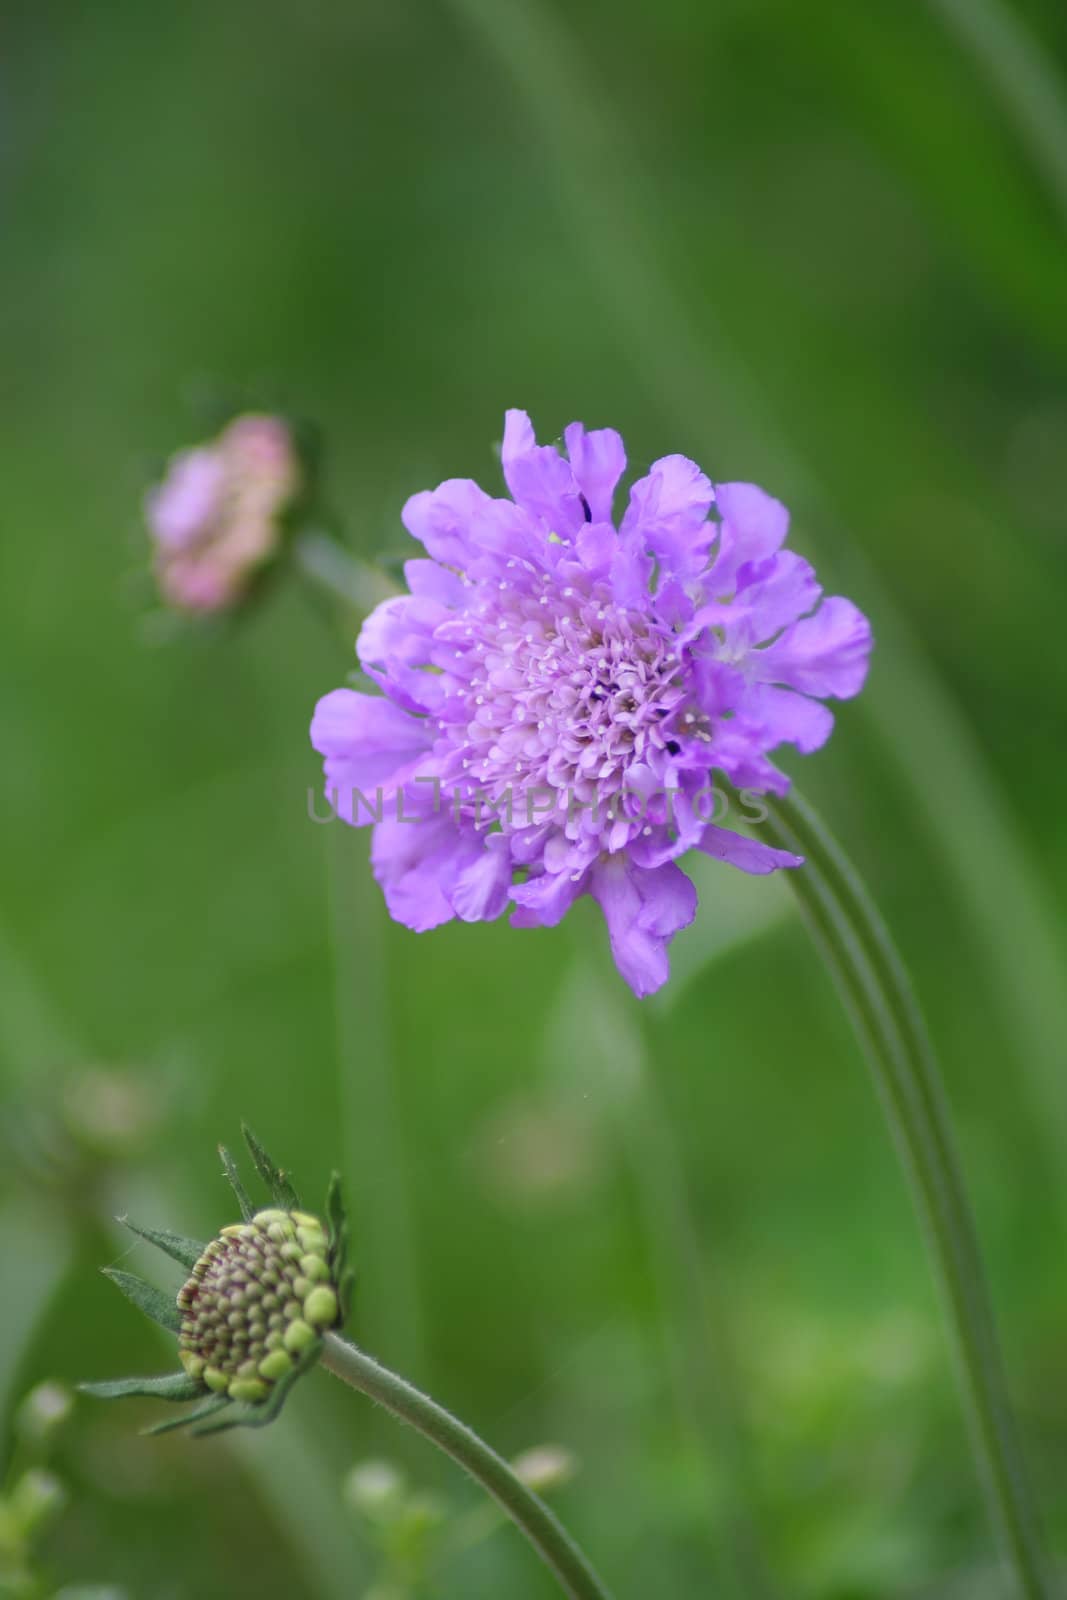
(275, 1365)
(251, 1390)
(320, 1307)
(298, 1335)
(250, 1317)
(259, 1295)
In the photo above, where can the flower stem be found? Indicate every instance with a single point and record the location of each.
(529, 1513)
(878, 995)
(338, 573)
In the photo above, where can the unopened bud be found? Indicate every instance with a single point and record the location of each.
(259, 1296)
(216, 517)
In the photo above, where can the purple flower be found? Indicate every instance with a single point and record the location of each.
(558, 692)
(215, 518)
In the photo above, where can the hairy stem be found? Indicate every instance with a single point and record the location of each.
(878, 995)
(529, 1513)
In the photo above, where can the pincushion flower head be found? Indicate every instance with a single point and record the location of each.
(215, 519)
(558, 692)
(251, 1315)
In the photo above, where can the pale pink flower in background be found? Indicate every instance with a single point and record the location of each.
(215, 519)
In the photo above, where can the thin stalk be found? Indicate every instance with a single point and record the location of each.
(371, 1126)
(528, 1512)
(338, 573)
(878, 995)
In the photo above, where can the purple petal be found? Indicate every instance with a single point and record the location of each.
(825, 654)
(543, 902)
(441, 519)
(599, 461)
(669, 900)
(631, 570)
(784, 717)
(480, 892)
(430, 581)
(669, 510)
(538, 477)
(502, 529)
(782, 588)
(754, 526)
(182, 508)
(596, 544)
(400, 627)
(414, 863)
(673, 605)
(643, 908)
(366, 743)
(746, 854)
(399, 641)
(519, 437)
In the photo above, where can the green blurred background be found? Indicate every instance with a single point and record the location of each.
(821, 246)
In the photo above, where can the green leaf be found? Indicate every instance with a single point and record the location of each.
(147, 1298)
(170, 1386)
(185, 1251)
(277, 1181)
(214, 1403)
(233, 1177)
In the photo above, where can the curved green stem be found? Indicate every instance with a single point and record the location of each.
(878, 995)
(529, 1513)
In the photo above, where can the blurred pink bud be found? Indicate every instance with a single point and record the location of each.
(216, 517)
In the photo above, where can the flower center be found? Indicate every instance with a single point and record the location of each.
(568, 691)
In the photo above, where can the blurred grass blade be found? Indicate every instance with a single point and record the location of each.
(1023, 78)
(147, 1298)
(877, 993)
